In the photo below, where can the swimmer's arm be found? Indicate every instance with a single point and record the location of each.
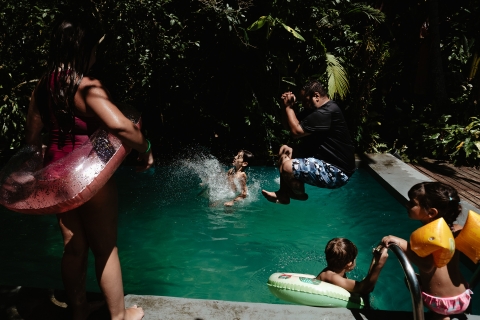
(34, 124)
(368, 283)
(97, 100)
(336, 279)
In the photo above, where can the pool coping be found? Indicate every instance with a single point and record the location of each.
(397, 178)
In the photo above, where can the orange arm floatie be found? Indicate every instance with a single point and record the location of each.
(434, 238)
(468, 241)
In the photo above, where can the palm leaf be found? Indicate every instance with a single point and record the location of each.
(337, 77)
(371, 13)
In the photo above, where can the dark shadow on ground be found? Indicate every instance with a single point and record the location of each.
(21, 303)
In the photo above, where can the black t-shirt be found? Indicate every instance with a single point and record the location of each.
(329, 140)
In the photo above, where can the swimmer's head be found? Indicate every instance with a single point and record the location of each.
(340, 254)
(242, 159)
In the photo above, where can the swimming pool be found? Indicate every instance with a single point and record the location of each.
(175, 241)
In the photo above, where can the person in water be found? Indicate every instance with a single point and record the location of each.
(341, 255)
(236, 177)
(70, 104)
(325, 158)
(444, 290)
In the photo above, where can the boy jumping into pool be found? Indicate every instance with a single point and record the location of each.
(236, 176)
(341, 257)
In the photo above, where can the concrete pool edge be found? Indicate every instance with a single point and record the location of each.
(171, 308)
(397, 177)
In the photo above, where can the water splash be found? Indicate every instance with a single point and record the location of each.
(213, 176)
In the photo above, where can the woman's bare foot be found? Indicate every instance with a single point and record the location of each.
(134, 313)
(275, 197)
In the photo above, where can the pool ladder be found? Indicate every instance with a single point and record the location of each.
(412, 282)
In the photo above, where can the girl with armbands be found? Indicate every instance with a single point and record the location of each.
(444, 290)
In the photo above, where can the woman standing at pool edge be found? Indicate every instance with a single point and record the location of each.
(71, 105)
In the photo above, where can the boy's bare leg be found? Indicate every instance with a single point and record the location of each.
(289, 186)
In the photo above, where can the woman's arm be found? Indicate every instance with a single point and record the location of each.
(97, 100)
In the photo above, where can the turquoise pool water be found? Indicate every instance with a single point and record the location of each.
(175, 241)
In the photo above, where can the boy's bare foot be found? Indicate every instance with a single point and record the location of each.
(275, 197)
(134, 313)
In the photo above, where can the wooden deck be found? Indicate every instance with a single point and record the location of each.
(465, 179)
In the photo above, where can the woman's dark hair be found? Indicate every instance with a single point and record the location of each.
(440, 196)
(339, 252)
(314, 86)
(71, 43)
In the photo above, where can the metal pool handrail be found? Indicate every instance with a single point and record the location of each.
(412, 281)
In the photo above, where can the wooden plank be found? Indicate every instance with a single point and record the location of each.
(464, 180)
(463, 190)
(473, 173)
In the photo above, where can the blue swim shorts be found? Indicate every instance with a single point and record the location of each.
(318, 173)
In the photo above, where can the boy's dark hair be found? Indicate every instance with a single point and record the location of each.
(314, 86)
(247, 156)
(339, 252)
(440, 196)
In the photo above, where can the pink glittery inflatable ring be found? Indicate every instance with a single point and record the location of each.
(65, 184)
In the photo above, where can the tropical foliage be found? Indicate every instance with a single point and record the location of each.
(210, 72)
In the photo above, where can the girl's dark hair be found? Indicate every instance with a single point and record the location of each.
(339, 252)
(314, 86)
(71, 43)
(440, 196)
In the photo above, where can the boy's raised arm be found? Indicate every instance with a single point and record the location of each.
(368, 283)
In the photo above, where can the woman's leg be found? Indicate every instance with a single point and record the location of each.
(100, 220)
(74, 262)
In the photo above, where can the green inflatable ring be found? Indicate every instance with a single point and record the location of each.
(305, 289)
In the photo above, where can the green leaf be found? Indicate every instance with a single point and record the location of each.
(287, 81)
(258, 24)
(337, 77)
(293, 32)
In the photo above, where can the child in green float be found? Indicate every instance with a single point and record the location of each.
(341, 257)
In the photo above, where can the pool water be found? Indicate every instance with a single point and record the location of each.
(177, 239)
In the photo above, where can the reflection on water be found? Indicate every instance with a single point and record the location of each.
(173, 242)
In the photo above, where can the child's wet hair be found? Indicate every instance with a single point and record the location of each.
(339, 252)
(247, 156)
(440, 196)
